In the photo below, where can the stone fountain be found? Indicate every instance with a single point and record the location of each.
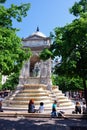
(35, 79)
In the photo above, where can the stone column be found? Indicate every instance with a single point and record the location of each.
(43, 69)
(29, 68)
(24, 73)
(46, 73)
(49, 81)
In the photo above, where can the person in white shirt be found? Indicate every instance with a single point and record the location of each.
(41, 107)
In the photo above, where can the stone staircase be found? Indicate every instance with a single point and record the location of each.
(63, 100)
(38, 92)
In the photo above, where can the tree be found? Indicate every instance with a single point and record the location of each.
(70, 42)
(7, 15)
(11, 82)
(79, 8)
(12, 54)
(67, 83)
(2, 1)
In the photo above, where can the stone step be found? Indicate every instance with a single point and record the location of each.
(20, 98)
(35, 86)
(31, 94)
(39, 115)
(33, 91)
(31, 97)
(47, 105)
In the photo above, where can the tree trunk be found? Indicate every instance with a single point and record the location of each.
(85, 90)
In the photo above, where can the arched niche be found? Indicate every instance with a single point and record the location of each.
(33, 60)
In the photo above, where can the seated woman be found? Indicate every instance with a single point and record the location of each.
(78, 108)
(31, 106)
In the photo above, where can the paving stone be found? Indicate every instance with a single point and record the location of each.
(42, 124)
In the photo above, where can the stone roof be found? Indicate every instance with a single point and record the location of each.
(36, 35)
(36, 41)
(40, 34)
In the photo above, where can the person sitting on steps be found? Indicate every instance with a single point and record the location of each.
(41, 107)
(54, 112)
(31, 106)
(78, 108)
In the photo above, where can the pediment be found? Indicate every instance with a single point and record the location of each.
(34, 37)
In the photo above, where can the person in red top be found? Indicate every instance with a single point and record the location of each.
(31, 106)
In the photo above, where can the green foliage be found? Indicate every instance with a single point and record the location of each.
(67, 83)
(11, 82)
(71, 43)
(2, 1)
(14, 12)
(11, 53)
(45, 54)
(0, 82)
(79, 8)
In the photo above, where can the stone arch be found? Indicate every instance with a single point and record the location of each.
(33, 60)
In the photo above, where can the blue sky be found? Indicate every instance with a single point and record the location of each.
(47, 14)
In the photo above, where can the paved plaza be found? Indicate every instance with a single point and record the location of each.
(22, 123)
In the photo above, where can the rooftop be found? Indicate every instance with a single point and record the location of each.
(38, 33)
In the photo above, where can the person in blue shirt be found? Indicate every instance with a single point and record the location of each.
(54, 112)
(54, 109)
